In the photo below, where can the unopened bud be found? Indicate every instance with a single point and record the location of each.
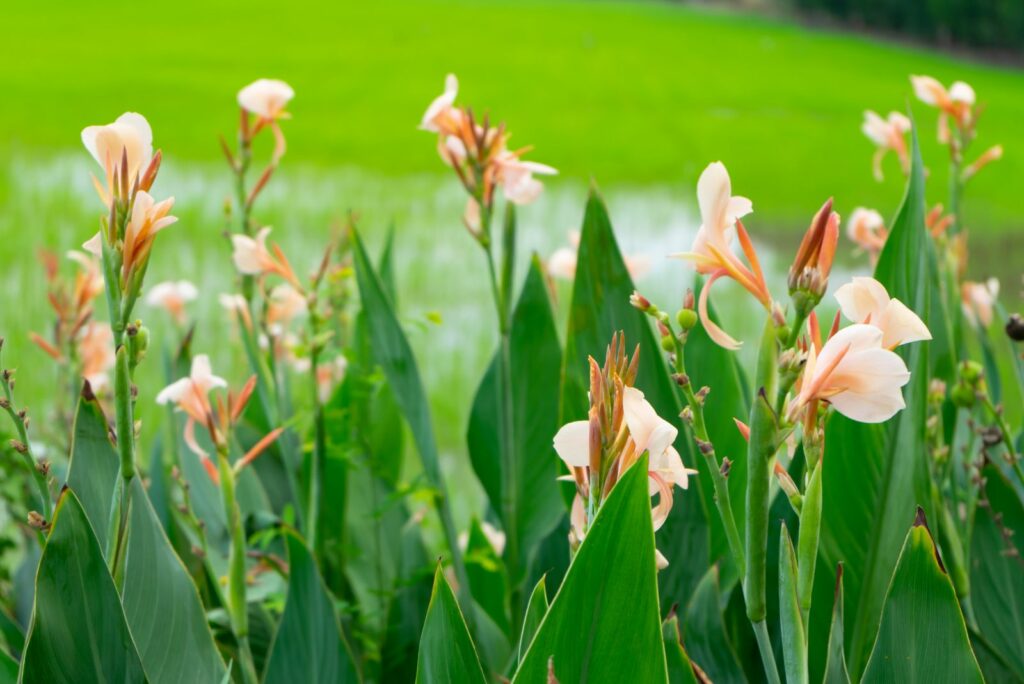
(702, 393)
(4, 404)
(681, 379)
(787, 485)
(705, 447)
(43, 466)
(20, 447)
(936, 391)
(640, 302)
(37, 522)
(688, 299)
(686, 415)
(1015, 328)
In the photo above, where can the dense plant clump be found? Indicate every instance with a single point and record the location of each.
(850, 508)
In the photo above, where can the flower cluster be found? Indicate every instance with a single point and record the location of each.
(621, 426)
(479, 153)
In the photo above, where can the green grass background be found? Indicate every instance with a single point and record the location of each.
(624, 92)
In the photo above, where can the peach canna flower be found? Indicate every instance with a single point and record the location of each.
(172, 296)
(866, 228)
(865, 300)
(252, 257)
(96, 349)
(712, 253)
(888, 134)
(856, 374)
(129, 137)
(562, 262)
(192, 394)
(978, 300)
(284, 305)
(957, 102)
(266, 98)
(148, 218)
(516, 177)
(440, 113)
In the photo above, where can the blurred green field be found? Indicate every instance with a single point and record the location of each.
(624, 92)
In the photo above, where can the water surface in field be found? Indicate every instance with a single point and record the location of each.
(443, 292)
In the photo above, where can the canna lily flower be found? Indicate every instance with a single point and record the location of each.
(808, 274)
(887, 134)
(856, 374)
(252, 257)
(267, 98)
(994, 153)
(172, 296)
(712, 253)
(284, 305)
(329, 375)
(562, 262)
(867, 229)
(148, 218)
(89, 280)
(96, 349)
(128, 138)
(865, 300)
(441, 115)
(957, 102)
(236, 305)
(978, 300)
(191, 394)
(515, 177)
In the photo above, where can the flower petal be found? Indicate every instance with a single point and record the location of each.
(572, 443)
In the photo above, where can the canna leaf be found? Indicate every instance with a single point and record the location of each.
(997, 571)
(536, 358)
(835, 665)
(309, 645)
(922, 636)
(78, 630)
(600, 307)
(705, 633)
(162, 605)
(447, 653)
(95, 465)
(536, 609)
(680, 669)
(794, 641)
(608, 603)
(869, 481)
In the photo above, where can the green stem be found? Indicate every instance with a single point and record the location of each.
(42, 487)
(502, 294)
(807, 544)
(1004, 430)
(237, 604)
(317, 465)
(764, 645)
(706, 448)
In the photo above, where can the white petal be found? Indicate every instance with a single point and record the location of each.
(649, 432)
(962, 92)
(562, 263)
(174, 392)
(572, 443)
(713, 192)
(900, 325)
(862, 299)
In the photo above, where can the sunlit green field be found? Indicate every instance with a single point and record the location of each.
(637, 97)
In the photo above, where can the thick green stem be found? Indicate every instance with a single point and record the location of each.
(807, 544)
(317, 465)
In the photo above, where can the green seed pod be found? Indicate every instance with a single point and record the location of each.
(668, 343)
(687, 318)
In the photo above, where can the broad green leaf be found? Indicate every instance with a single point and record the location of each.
(162, 605)
(487, 577)
(536, 609)
(705, 635)
(309, 645)
(794, 643)
(871, 481)
(78, 630)
(835, 665)
(408, 610)
(8, 668)
(95, 465)
(536, 359)
(922, 636)
(609, 592)
(446, 649)
(680, 670)
(600, 308)
(392, 351)
(997, 572)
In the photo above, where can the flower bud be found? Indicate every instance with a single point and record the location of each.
(686, 318)
(1015, 328)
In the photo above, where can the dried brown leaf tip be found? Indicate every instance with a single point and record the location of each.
(920, 520)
